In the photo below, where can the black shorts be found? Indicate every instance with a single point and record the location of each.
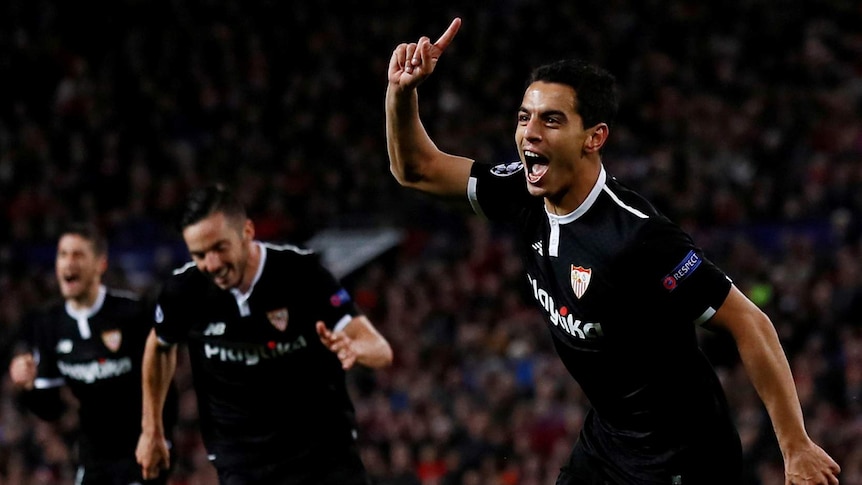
(123, 472)
(699, 466)
(349, 471)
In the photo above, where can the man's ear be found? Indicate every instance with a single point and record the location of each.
(596, 140)
(248, 230)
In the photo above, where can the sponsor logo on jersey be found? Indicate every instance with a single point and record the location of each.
(560, 317)
(537, 246)
(682, 271)
(278, 318)
(160, 315)
(339, 298)
(507, 169)
(95, 370)
(580, 279)
(64, 346)
(252, 354)
(215, 328)
(112, 339)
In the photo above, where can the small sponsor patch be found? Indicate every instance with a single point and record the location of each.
(580, 279)
(339, 298)
(507, 169)
(682, 271)
(278, 318)
(64, 346)
(112, 339)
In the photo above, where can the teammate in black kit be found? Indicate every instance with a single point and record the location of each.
(92, 342)
(270, 333)
(622, 287)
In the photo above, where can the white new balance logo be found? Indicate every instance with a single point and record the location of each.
(215, 328)
(538, 247)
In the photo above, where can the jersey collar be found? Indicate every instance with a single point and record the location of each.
(585, 205)
(242, 297)
(90, 311)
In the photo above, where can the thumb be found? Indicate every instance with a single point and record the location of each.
(322, 331)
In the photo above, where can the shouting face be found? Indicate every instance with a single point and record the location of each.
(79, 269)
(552, 141)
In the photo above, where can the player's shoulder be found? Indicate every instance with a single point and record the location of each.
(122, 296)
(289, 254)
(47, 313)
(184, 279)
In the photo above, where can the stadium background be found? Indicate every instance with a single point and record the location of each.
(740, 119)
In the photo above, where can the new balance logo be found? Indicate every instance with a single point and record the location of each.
(538, 247)
(215, 328)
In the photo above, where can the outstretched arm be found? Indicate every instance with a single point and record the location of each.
(159, 365)
(805, 463)
(359, 342)
(414, 158)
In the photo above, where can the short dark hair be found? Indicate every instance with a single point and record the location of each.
(211, 199)
(89, 231)
(595, 88)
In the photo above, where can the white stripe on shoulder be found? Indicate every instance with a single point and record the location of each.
(129, 295)
(184, 268)
(287, 247)
(472, 197)
(624, 205)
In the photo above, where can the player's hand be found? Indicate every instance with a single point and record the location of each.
(412, 63)
(810, 466)
(22, 370)
(153, 455)
(339, 343)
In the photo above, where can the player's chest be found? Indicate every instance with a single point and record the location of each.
(84, 339)
(97, 352)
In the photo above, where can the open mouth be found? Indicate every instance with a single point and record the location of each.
(71, 278)
(537, 166)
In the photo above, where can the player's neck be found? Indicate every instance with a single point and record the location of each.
(569, 199)
(86, 300)
(251, 267)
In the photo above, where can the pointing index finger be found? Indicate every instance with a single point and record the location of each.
(445, 39)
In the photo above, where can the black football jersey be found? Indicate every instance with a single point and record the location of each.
(97, 354)
(622, 290)
(268, 391)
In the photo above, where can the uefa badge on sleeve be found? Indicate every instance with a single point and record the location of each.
(580, 279)
(112, 339)
(278, 318)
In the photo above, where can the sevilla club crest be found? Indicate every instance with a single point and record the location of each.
(580, 279)
(112, 339)
(278, 318)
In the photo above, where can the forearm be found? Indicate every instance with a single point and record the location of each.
(407, 140)
(767, 367)
(159, 365)
(374, 353)
(371, 348)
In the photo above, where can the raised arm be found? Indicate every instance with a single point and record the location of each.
(159, 365)
(805, 463)
(414, 158)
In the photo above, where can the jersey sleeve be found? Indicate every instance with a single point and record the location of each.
(37, 338)
(332, 303)
(497, 192)
(171, 317)
(676, 278)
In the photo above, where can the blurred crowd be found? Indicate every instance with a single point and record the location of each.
(739, 119)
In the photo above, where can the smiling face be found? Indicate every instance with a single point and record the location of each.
(79, 269)
(554, 145)
(219, 246)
